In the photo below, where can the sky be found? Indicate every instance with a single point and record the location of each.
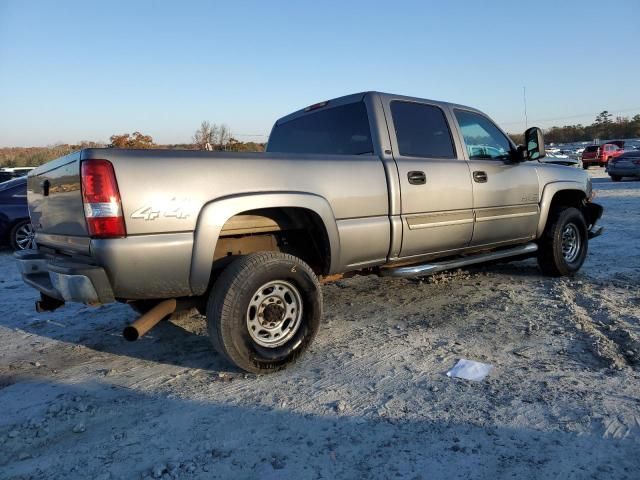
(83, 70)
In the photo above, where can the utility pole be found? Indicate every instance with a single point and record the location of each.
(524, 98)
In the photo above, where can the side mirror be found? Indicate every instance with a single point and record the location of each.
(534, 142)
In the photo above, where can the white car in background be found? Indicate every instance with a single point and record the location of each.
(7, 173)
(561, 159)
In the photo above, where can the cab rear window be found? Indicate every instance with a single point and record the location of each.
(342, 130)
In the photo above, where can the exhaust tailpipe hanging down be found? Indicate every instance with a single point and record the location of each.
(148, 320)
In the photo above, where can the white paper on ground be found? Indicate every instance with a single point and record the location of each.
(470, 370)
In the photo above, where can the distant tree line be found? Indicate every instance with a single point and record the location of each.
(208, 137)
(605, 127)
(211, 136)
(34, 156)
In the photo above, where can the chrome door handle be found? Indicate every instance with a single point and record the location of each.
(480, 177)
(416, 178)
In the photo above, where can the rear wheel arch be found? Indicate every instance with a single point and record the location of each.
(293, 230)
(286, 210)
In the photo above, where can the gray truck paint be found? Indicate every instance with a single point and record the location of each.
(175, 204)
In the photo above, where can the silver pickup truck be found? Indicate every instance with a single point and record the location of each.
(369, 183)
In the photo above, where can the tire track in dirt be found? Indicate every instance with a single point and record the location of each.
(612, 341)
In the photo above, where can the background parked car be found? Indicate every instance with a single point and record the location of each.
(599, 155)
(626, 165)
(15, 226)
(7, 173)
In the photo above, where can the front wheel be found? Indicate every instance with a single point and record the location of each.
(264, 310)
(616, 178)
(564, 243)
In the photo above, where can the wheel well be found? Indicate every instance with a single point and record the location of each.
(568, 198)
(298, 231)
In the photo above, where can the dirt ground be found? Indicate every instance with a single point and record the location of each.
(369, 400)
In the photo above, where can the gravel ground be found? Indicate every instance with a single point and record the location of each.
(369, 400)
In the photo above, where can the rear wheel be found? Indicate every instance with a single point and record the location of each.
(264, 310)
(585, 166)
(563, 246)
(22, 236)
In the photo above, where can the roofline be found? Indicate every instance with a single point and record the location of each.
(357, 97)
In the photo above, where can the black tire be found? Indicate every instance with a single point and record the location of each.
(16, 236)
(551, 257)
(616, 178)
(585, 166)
(229, 311)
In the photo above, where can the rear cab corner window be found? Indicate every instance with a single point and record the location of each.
(483, 139)
(341, 130)
(421, 130)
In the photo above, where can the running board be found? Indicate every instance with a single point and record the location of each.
(430, 268)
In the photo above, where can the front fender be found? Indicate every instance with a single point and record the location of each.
(215, 214)
(547, 197)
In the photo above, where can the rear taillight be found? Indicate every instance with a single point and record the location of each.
(101, 198)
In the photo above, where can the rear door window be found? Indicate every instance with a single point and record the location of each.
(483, 139)
(421, 130)
(342, 130)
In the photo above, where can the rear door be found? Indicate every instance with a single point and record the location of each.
(435, 186)
(505, 193)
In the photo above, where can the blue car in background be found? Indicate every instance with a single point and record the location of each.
(15, 226)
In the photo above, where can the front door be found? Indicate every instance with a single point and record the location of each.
(435, 185)
(505, 193)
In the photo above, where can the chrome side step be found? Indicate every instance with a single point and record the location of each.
(429, 268)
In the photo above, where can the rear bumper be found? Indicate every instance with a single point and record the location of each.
(64, 280)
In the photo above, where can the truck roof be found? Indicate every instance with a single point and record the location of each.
(356, 97)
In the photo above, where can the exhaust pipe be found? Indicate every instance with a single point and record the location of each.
(148, 320)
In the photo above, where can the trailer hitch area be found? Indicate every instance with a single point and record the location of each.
(48, 304)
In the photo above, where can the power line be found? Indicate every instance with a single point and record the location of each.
(250, 135)
(524, 98)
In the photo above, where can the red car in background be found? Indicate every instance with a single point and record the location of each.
(599, 155)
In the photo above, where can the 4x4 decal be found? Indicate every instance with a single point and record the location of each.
(172, 209)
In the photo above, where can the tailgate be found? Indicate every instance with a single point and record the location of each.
(55, 201)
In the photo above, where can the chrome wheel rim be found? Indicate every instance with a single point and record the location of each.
(274, 314)
(26, 237)
(570, 242)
